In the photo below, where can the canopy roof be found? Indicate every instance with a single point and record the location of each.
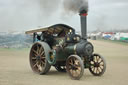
(60, 29)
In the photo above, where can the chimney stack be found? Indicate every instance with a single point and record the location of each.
(83, 16)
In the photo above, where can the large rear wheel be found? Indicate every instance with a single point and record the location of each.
(75, 67)
(38, 61)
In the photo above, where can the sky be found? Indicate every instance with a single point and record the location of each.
(23, 15)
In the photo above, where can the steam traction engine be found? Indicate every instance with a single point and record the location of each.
(61, 47)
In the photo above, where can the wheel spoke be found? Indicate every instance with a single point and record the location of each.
(35, 64)
(92, 62)
(102, 67)
(40, 50)
(76, 62)
(100, 70)
(33, 58)
(79, 68)
(78, 72)
(42, 53)
(73, 59)
(43, 57)
(71, 62)
(43, 62)
(35, 52)
(38, 63)
(101, 64)
(94, 69)
(73, 72)
(97, 58)
(101, 61)
(39, 67)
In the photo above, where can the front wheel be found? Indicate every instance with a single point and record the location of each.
(75, 67)
(97, 65)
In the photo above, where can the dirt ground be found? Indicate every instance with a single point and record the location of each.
(15, 69)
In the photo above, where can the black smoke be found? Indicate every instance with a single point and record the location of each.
(75, 5)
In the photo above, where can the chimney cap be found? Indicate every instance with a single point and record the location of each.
(83, 10)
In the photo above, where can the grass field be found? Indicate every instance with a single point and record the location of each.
(15, 69)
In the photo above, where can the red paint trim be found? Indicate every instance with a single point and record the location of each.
(84, 14)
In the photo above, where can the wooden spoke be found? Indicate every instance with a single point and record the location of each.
(102, 67)
(78, 68)
(33, 58)
(71, 61)
(43, 62)
(76, 62)
(39, 67)
(78, 72)
(42, 53)
(73, 73)
(35, 52)
(43, 58)
(92, 62)
(35, 64)
(38, 49)
(95, 60)
(101, 61)
(96, 70)
(100, 70)
(41, 50)
(92, 68)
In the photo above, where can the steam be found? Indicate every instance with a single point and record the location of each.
(75, 5)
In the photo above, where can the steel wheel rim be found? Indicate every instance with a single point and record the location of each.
(37, 58)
